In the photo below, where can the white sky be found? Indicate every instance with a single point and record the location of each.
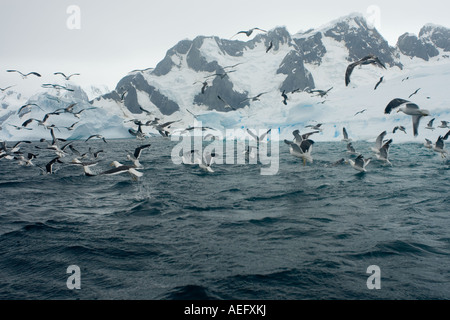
(116, 37)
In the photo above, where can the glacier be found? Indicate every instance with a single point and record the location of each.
(315, 59)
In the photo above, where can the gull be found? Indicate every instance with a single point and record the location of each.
(415, 92)
(135, 156)
(66, 77)
(78, 114)
(401, 128)
(370, 59)
(428, 144)
(194, 115)
(96, 136)
(49, 166)
(141, 70)
(249, 32)
(57, 87)
(439, 145)
(206, 161)
(408, 108)
(346, 138)
(301, 150)
(430, 124)
(219, 74)
(360, 112)
(379, 142)
(139, 134)
(270, 46)
(384, 152)
(378, 83)
(258, 138)
(14, 149)
(120, 168)
(162, 127)
(444, 124)
(27, 106)
(360, 163)
(71, 127)
(41, 123)
(4, 89)
(321, 93)
(146, 111)
(315, 127)
(24, 76)
(68, 109)
(19, 127)
(250, 152)
(351, 149)
(86, 166)
(26, 161)
(255, 98)
(226, 103)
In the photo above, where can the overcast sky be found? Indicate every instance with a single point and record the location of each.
(116, 37)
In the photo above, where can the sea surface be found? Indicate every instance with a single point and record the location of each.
(309, 232)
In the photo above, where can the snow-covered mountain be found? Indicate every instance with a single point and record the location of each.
(238, 83)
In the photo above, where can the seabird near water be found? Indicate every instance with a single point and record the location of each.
(439, 145)
(135, 156)
(360, 163)
(301, 147)
(430, 125)
(351, 149)
(384, 152)
(96, 136)
(444, 124)
(401, 128)
(346, 138)
(379, 142)
(415, 92)
(408, 108)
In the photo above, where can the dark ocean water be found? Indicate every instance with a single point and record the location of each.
(309, 232)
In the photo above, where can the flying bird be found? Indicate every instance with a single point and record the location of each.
(360, 112)
(384, 152)
(444, 124)
(24, 76)
(378, 83)
(4, 89)
(315, 127)
(96, 136)
(26, 106)
(401, 128)
(249, 32)
(346, 138)
(370, 59)
(430, 125)
(351, 149)
(439, 145)
(258, 138)
(415, 92)
(360, 163)
(66, 77)
(408, 108)
(379, 142)
(135, 156)
(321, 93)
(270, 46)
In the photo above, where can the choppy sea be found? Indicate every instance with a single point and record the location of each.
(308, 232)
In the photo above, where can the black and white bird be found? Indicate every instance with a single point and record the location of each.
(255, 98)
(26, 161)
(6, 88)
(320, 93)
(301, 147)
(370, 59)
(428, 144)
(25, 75)
(120, 168)
(360, 163)
(360, 112)
(135, 156)
(42, 122)
(408, 108)
(28, 107)
(415, 92)
(285, 97)
(49, 166)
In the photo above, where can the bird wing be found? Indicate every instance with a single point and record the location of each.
(359, 161)
(349, 71)
(379, 141)
(344, 131)
(264, 134)
(137, 151)
(440, 143)
(416, 121)
(254, 136)
(395, 103)
(306, 145)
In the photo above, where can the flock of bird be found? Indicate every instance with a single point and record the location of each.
(301, 146)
